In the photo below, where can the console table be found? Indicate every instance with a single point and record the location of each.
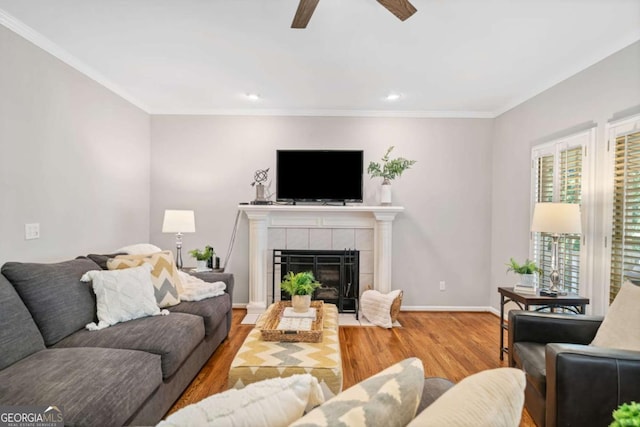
(571, 302)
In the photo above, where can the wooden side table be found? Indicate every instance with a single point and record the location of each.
(572, 302)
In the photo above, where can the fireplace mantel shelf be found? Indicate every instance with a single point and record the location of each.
(263, 217)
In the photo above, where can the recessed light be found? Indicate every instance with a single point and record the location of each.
(253, 96)
(392, 96)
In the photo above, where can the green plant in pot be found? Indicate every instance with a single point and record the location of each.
(388, 170)
(627, 415)
(527, 271)
(202, 256)
(300, 286)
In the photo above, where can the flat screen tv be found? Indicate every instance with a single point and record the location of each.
(319, 175)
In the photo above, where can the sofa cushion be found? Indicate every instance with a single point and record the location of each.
(56, 298)
(164, 274)
(212, 310)
(101, 259)
(139, 249)
(173, 337)
(619, 327)
(122, 295)
(530, 356)
(19, 335)
(272, 402)
(389, 398)
(492, 398)
(95, 387)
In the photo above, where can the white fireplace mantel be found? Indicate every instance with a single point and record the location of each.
(263, 217)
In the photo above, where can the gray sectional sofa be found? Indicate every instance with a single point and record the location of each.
(129, 373)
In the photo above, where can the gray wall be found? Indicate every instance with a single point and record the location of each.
(606, 90)
(74, 157)
(206, 163)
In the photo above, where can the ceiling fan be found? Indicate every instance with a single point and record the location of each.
(401, 8)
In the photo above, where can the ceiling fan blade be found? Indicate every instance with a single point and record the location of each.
(401, 8)
(304, 12)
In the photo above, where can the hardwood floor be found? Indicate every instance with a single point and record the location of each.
(452, 345)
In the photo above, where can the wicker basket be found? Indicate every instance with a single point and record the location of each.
(269, 331)
(395, 307)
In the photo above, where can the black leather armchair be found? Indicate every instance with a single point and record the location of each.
(570, 383)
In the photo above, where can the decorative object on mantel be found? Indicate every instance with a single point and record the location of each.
(527, 273)
(300, 286)
(178, 221)
(389, 170)
(202, 257)
(556, 219)
(260, 176)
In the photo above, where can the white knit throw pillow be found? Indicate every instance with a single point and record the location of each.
(376, 307)
(122, 295)
(619, 329)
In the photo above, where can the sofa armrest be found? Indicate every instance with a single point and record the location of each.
(585, 383)
(213, 276)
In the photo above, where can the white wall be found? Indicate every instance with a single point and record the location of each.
(74, 158)
(607, 90)
(206, 163)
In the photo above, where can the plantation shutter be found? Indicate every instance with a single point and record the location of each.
(625, 238)
(544, 193)
(558, 175)
(570, 192)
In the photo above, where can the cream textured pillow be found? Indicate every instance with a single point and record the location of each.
(164, 274)
(619, 329)
(389, 398)
(274, 402)
(122, 295)
(139, 249)
(376, 307)
(492, 398)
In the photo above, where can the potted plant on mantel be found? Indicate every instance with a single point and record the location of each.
(202, 257)
(300, 286)
(389, 170)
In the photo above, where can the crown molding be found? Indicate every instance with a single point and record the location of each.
(28, 33)
(326, 113)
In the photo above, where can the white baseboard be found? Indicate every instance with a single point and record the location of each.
(239, 305)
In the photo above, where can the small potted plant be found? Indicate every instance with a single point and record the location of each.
(527, 271)
(389, 170)
(627, 414)
(300, 286)
(202, 257)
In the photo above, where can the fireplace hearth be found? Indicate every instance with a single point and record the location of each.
(337, 271)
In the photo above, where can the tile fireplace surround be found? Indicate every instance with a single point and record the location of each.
(299, 227)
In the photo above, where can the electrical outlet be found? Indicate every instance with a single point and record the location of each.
(443, 286)
(32, 231)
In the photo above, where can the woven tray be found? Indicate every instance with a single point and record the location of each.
(270, 332)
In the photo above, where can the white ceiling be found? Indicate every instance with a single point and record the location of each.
(458, 58)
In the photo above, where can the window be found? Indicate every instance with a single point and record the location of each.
(558, 173)
(624, 148)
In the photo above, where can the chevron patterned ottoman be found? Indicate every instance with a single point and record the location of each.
(258, 360)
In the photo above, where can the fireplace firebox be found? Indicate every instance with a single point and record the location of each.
(337, 272)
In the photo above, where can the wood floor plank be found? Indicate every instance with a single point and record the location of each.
(451, 345)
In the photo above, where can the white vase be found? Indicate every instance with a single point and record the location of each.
(385, 193)
(201, 265)
(301, 303)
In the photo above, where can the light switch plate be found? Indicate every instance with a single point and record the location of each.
(32, 231)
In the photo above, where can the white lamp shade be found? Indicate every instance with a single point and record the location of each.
(557, 218)
(176, 221)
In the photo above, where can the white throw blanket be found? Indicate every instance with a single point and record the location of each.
(194, 289)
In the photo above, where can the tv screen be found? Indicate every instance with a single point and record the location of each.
(319, 175)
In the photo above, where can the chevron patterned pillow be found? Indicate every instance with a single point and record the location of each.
(389, 398)
(164, 274)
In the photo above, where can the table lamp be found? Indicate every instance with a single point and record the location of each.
(178, 221)
(556, 219)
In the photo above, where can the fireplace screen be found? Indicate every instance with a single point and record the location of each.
(337, 272)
